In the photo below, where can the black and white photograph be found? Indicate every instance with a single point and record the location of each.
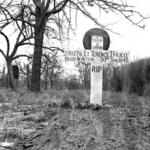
(74, 75)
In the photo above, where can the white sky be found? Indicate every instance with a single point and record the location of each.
(131, 38)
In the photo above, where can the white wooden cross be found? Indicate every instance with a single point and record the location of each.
(96, 72)
(97, 57)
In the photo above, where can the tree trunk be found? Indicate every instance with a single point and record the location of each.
(46, 80)
(3, 78)
(28, 78)
(36, 67)
(38, 41)
(10, 75)
(51, 78)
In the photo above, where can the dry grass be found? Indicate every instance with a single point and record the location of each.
(70, 127)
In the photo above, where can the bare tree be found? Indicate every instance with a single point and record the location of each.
(11, 56)
(11, 53)
(25, 71)
(41, 15)
(84, 74)
(52, 69)
(23, 32)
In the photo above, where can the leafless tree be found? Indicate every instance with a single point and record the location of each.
(84, 74)
(10, 55)
(52, 69)
(42, 15)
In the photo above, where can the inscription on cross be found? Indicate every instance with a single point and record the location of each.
(96, 43)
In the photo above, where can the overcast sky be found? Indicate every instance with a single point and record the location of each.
(131, 38)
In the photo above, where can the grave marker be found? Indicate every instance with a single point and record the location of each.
(96, 72)
(96, 41)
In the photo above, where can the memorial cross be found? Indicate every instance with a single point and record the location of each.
(96, 42)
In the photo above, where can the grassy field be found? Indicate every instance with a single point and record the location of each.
(64, 120)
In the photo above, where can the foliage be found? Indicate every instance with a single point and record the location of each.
(136, 77)
(51, 71)
(84, 74)
(133, 77)
(72, 82)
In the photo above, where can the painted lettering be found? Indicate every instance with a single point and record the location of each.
(96, 68)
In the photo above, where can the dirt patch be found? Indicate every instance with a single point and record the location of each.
(38, 126)
(104, 129)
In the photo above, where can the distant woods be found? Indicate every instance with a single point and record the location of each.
(133, 78)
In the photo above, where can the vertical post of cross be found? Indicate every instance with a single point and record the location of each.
(96, 72)
(96, 39)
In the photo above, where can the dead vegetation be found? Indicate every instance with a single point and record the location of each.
(64, 120)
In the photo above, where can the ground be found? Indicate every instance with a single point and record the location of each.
(64, 120)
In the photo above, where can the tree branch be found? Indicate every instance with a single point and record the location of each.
(3, 54)
(31, 11)
(52, 48)
(23, 55)
(16, 18)
(59, 7)
(7, 42)
(124, 9)
(21, 70)
(87, 14)
(47, 5)
(47, 57)
(17, 44)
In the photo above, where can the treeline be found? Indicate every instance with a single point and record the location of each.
(132, 78)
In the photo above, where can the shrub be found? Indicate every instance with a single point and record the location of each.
(146, 90)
